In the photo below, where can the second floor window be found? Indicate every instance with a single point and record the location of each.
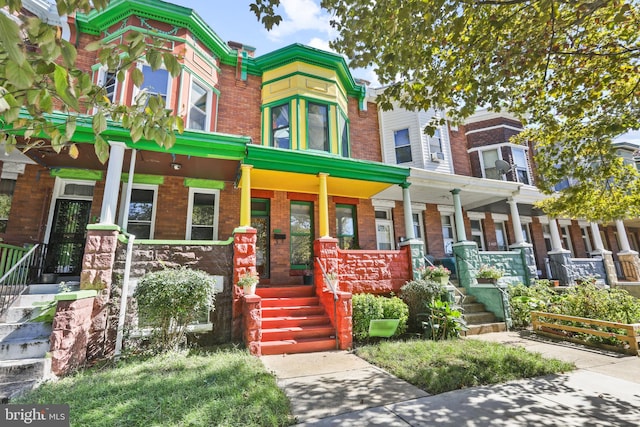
(280, 136)
(198, 107)
(343, 133)
(318, 127)
(109, 81)
(521, 166)
(489, 169)
(435, 143)
(155, 82)
(403, 146)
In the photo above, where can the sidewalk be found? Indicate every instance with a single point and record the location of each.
(338, 388)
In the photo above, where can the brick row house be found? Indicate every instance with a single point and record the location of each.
(286, 167)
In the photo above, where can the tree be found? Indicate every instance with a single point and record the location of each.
(570, 69)
(38, 74)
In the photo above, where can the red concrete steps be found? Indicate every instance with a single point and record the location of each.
(293, 321)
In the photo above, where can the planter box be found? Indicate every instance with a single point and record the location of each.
(487, 280)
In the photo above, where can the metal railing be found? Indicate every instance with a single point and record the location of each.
(19, 275)
(461, 296)
(335, 299)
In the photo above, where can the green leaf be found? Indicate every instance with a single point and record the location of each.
(136, 76)
(101, 148)
(69, 53)
(99, 122)
(73, 151)
(171, 63)
(154, 59)
(61, 81)
(21, 76)
(71, 127)
(10, 38)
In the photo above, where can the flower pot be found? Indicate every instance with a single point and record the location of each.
(486, 280)
(444, 280)
(249, 289)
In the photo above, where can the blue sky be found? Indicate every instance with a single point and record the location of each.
(303, 22)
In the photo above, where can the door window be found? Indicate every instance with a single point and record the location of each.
(384, 230)
(301, 235)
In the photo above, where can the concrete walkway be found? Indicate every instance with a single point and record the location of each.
(339, 389)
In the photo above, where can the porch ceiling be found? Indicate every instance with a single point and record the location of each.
(305, 183)
(147, 162)
(476, 193)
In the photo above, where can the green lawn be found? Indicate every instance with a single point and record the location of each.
(221, 388)
(440, 366)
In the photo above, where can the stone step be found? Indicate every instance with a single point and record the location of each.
(298, 346)
(12, 331)
(486, 328)
(305, 310)
(474, 307)
(22, 348)
(290, 302)
(17, 314)
(285, 291)
(26, 300)
(25, 369)
(297, 333)
(294, 321)
(479, 318)
(12, 390)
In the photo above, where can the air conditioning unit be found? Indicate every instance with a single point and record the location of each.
(437, 157)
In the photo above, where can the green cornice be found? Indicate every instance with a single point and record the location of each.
(97, 21)
(139, 178)
(204, 183)
(313, 56)
(190, 143)
(270, 158)
(81, 174)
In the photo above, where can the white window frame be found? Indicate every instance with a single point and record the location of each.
(121, 214)
(216, 209)
(434, 140)
(137, 90)
(482, 165)
(565, 237)
(101, 81)
(395, 147)
(586, 237)
(386, 221)
(526, 167)
(448, 241)
(633, 241)
(477, 216)
(207, 113)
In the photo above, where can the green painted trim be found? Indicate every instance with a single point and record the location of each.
(95, 22)
(204, 183)
(82, 174)
(211, 145)
(314, 162)
(76, 295)
(104, 227)
(195, 75)
(143, 179)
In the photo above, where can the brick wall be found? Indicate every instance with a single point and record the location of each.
(364, 132)
(458, 143)
(539, 246)
(433, 231)
(239, 104)
(171, 209)
(377, 272)
(29, 207)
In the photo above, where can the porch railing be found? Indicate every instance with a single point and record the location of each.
(335, 299)
(22, 272)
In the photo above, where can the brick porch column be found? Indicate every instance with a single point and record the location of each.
(244, 260)
(97, 274)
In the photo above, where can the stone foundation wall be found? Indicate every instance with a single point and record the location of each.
(374, 272)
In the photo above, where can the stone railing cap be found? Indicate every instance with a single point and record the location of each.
(76, 295)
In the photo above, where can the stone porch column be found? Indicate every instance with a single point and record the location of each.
(607, 256)
(112, 183)
(461, 233)
(323, 206)
(629, 260)
(245, 196)
(526, 249)
(559, 258)
(244, 260)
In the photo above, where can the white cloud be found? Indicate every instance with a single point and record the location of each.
(319, 43)
(301, 15)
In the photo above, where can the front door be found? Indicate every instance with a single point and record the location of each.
(68, 236)
(260, 221)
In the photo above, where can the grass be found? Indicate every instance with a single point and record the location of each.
(440, 366)
(222, 388)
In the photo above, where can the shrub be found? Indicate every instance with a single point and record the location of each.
(367, 307)
(171, 299)
(613, 305)
(416, 294)
(442, 321)
(524, 299)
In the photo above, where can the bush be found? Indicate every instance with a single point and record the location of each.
(417, 294)
(613, 305)
(524, 299)
(367, 307)
(171, 299)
